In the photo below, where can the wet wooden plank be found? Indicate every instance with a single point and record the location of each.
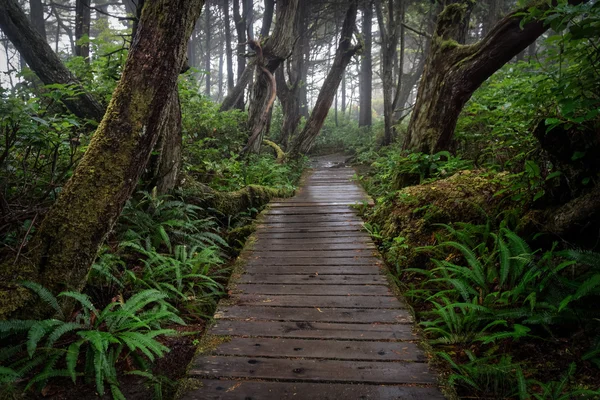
(308, 290)
(304, 218)
(316, 211)
(300, 243)
(289, 203)
(312, 314)
(259, 253)
(314, 269)
(314, 279)
(308, 228)
(314, 330)
(348, 261)
(312, 370)
(253, 390)
(314, 236)
(312, 226)
(329, 349)
(318, 301)
(265, 245)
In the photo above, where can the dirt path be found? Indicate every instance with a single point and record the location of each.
(313, 316)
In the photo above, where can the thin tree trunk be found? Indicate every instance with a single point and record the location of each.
(343, 96)
(82, 29)
(343, 56)
(43, 61)
(267, 18)
(220, 96)
(228, 41)
(64, 247)
(366, 68)
(207, 49)
(240, 27)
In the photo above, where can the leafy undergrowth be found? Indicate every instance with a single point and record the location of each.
(505, 319)
(157, 280)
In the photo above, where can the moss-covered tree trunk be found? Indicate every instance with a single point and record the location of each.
(454, 71)
(165, 163)
(64, 247)
(43, 61)
(343, 55)
(275, 50)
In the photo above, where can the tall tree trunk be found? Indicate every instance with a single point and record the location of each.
(82, 29)
(343, 55)
(165, 162)
(343, 93)
(366, 68)
(36, 15)
(220, 77)
(64, 247)
(389, 30)
(290, 91)
(240, 28)
(267, 18)
(276, 49)
(228, 49)
(207, 50)
(43, 60)
(453, 72)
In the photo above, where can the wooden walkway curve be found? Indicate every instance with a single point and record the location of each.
(312, 315)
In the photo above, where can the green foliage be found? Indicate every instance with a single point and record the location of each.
(488, 377)
(90, 343)
(395, 168)
(162, 222)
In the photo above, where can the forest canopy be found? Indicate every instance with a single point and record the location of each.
(140, 139)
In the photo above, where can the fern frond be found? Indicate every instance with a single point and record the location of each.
(44, 295)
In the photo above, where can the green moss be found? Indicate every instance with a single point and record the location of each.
(468, 196)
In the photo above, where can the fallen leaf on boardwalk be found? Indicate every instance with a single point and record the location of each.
(231, 389)
(319, 310)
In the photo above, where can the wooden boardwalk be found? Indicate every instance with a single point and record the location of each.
(312, 316)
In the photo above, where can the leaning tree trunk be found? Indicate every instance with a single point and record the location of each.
(43, 61)
(65, 245)
(269, 57)
(343, 55)
(453, 72)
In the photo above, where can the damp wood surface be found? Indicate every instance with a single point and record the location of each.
(311, 314)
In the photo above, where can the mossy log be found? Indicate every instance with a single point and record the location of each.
(467, 196)
(280, 153)
(229, 203)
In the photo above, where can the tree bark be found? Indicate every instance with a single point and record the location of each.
(267, 18)
(228, 41)
(43, 61)
(36, 15)
(207, 50)
(240, 27)
(65, 245)
(390, 26)
(82, 29)
(165, 163)
(343, 56)
(454, 71)
(366, 68)
(276, 49)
